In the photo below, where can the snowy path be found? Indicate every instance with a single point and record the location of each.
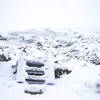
(60, 91)
(78, 85)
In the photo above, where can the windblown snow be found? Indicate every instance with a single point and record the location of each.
(77, 51)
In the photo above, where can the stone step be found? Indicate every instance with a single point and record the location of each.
(33, 92)
(35, 77)
(37, 73)
(35, 81)
(34, 64)
(35, 88)
(35, 68)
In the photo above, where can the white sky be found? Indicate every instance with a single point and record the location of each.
(27, 14)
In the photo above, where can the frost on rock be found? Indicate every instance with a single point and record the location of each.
(49, 65)
(21, 69)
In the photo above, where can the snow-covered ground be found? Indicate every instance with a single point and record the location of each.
(77, 51)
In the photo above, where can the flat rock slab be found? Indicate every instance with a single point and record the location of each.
(34, 64)
(36, 73)
(34, 93)
(35, 81)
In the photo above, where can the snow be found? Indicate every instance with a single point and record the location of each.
(49, 65)
(81, 84)
(21, 69)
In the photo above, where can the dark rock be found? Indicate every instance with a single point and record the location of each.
(15, 72)
(39, 44)
(20, 82)
(98, 86)
(69, 44)
(4, 58)
(14, 67)
(95, 60)
(67, 71)
(56, 62)
(59, 72)
(2, 38)
(58, 46)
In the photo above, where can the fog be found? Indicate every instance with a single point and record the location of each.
(28, 14)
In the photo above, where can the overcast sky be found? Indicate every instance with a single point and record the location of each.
(27, 14)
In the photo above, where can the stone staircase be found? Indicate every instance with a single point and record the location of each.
(35, 80)
(35, 74)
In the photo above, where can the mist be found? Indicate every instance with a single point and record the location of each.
(28, 14)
